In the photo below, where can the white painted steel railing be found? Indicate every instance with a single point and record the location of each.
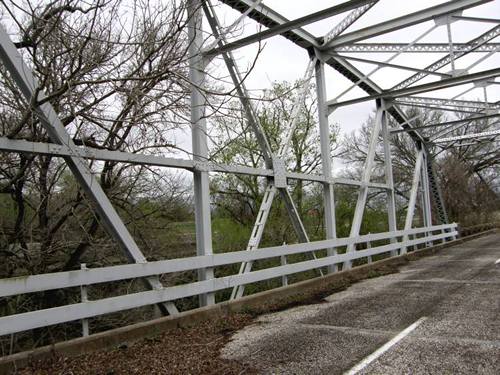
(38, 283)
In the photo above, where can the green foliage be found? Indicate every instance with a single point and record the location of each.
(229, 235)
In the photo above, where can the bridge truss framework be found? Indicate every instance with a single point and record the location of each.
(324, 52)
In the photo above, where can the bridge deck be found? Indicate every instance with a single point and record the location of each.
(440, 314)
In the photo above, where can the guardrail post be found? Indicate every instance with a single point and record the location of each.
(444, 238)
(84, 298)
(369, 246)
(284, 278)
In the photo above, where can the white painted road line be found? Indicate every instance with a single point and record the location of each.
(377, 353)
(497, 261)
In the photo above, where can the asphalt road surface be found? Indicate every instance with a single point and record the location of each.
(439, 315)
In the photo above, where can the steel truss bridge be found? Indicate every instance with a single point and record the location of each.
(339, 50)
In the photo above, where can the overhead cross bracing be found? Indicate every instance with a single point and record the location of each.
(461, 78)
(415, 48)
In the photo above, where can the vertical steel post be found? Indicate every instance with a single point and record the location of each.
(365, 179)
(326, 160)
(200, 145)
(413, 195)
(389, 178)
(426, 196)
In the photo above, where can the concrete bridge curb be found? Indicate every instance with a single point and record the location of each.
(271, 300)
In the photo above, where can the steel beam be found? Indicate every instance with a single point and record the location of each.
(410, 100)
(476, 19)
(326, 160)
(256, 235)
(200, 145)
(229, 28)
(434, 187)
(426, 197)
(347, 21)
(286, 26)
(458, 145)
(488, 134)
(240, 87)
(453, 127)
(403, 21)
(269, 18)
(412, 202)
(413, 90)
(472, 45)
(415, 48)
(437, 108)
(384, 64)
(389, 178)
(23, 146)
(455, 122)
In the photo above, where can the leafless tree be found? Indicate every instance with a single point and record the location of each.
(116, 73)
